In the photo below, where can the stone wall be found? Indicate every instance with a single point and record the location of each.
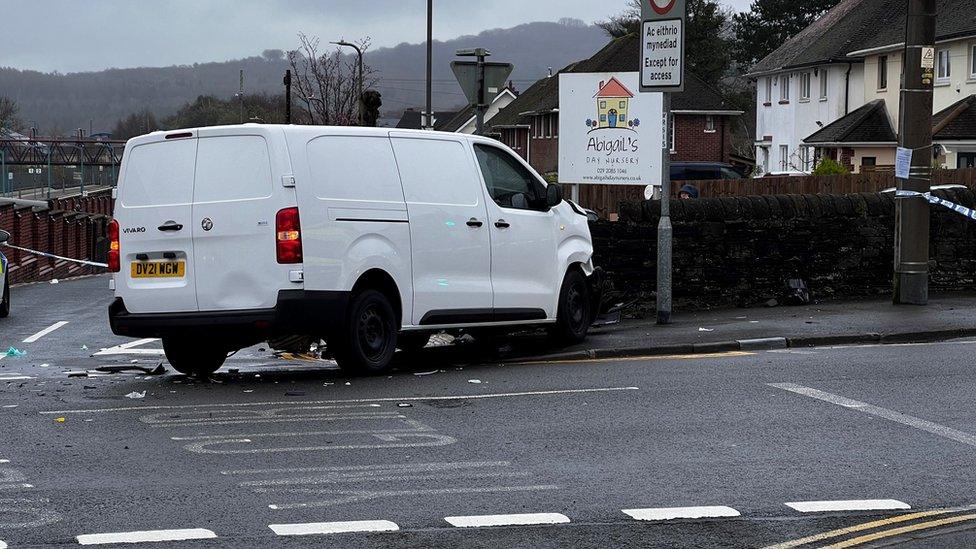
(741, 250)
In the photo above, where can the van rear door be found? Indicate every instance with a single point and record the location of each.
(233, 223)
(153, 213)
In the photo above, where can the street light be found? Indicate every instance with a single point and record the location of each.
(359, 52)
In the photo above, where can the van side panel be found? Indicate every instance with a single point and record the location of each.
(234, 224)
(352, 212)
(449, 229)
(156, 188)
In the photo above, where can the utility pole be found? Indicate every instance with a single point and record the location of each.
(287, 83)
(482, 105)
(240, 95)
(915, 134)
(429, 116)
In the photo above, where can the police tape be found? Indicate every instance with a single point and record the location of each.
(45, 254)
(961, 210)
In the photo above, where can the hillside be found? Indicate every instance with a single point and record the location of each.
(61, 102)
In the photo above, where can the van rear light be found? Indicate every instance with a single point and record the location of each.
(114, 247)
(288, 236)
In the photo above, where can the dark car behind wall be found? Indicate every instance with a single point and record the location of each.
(701, 171)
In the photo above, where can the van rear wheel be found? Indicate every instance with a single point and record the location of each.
(193, 357)
(367, 340)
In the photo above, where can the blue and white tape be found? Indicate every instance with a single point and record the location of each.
(52, 256)
(961, 210)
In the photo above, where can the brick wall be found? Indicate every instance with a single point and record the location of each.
(741, 250)
(64, 232)
(694, 144)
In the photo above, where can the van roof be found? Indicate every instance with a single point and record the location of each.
(285, 129)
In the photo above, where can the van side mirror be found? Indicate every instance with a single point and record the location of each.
(554, 195)
(4, 236)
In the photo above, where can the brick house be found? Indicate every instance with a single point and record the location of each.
(702, 130)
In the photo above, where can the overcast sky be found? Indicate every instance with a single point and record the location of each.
(71, 35)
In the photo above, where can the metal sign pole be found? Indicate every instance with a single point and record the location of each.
(664, 229)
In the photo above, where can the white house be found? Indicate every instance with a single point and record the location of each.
(833, 89)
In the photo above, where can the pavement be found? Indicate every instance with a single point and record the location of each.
(858, 445)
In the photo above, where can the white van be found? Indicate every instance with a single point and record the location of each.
(370, 239)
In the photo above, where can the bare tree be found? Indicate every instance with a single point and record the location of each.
(327, 83)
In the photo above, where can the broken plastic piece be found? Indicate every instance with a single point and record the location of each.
(15, 352)
(60, 419)
(54, 281)
(474, 381)
(136, 395)
(705, 330)
(404, 405)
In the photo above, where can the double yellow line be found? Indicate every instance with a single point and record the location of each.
(882, 534)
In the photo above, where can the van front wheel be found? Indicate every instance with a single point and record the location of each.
(573, 315)
(367, 341)
(193, 357)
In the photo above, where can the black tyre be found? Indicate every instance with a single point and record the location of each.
(411, 342)
(573, 316)
(193, 357)
(366, 342)
(5, 300)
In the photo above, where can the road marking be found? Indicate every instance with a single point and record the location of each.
(347, 401)
(4, 461)
(366, 495)
(674, 513)
(730, 354)
(523, 519)
(45, 331)
(861, 527)
(334, 527)
(848, 505)
(146, 536)
(12, 376)
(891, 415)
(127, 348)
(899, 531)
(389, 478)
(373, 469)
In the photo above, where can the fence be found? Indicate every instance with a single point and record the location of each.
(605, 199)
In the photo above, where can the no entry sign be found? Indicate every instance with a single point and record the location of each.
(662, 45)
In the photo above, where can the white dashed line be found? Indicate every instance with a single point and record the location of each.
(14, 377)
(4, 461)
(848, 505)
(345, 527)
(346, 401)
(45, 331)
(146, 536)
(524, 519)
(674, 513)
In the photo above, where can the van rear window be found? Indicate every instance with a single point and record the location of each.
(158, 174)
(235, 167)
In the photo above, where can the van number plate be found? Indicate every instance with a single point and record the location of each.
(159, 269)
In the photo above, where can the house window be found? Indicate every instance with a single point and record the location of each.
(945, 67)
(824, 73)
(784, 157)
(603, 104)
(784, 88)
(972, 62)
(883, 72)
(765, 159)
(769, 90)
(709, 124)
(805, 86)
(548, 125)
(555, 125)
(603, 118)
(869, 161)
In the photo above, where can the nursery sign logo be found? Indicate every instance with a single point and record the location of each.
(602, 138)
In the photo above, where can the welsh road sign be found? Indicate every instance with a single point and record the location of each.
(496, 75)
(662, 45)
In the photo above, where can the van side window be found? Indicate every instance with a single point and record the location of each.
(506, 177)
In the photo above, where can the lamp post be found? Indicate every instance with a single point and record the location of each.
(359, 52)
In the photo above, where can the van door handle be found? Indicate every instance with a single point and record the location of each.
(502, 224)
(171, 227)
(474, 223)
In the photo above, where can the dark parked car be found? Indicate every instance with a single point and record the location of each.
(697, 171)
